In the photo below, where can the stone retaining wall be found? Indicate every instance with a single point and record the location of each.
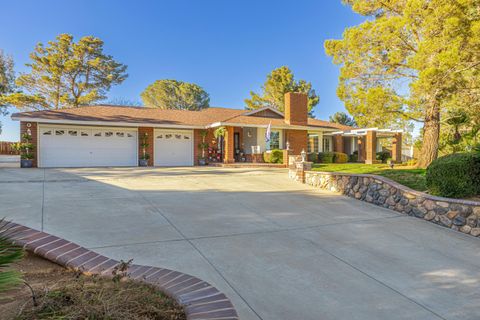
(461, 215)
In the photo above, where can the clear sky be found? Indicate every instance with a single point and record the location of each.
(226, 46)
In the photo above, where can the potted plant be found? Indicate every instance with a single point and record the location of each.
(203, 146)
(25, 148)
(143, 162)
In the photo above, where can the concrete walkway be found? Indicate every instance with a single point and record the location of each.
(278, 249)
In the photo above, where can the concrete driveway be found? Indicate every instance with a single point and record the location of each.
(278, 249)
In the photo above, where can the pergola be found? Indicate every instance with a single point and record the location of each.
(367, 142)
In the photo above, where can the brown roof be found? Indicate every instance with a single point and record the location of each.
(108, 113)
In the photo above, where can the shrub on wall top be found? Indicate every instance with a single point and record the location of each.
(326, 157)
(274, 156)
(383, 156)
(455, 176)
(312, 157)
(340, 157)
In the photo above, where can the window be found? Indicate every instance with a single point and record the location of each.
(312, 143)
(274, 140)
(108, 134)
(47, 133)
(178, 136)
(160, 137)
(120, 134)
(186, 137)
(59, 132)
(72, 133)
(97, 134)
(326, 144)
(129, 135)
(168, 136)
(84, 134)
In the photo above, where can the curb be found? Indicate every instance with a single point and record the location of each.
(200, 300)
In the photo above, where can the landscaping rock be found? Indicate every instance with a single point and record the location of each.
(475, 232)
(430, 215)
(445, 221)
(466, 229)
(459, 220)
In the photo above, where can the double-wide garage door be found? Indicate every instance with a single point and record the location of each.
(72, 146)
(65, 146)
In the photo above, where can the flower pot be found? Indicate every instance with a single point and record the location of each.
(143, 163)
(202, 162)
(26, 163)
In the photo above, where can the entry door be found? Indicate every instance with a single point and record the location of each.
(173, 148)
(66, 146)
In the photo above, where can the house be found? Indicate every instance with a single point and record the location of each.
(103, 135)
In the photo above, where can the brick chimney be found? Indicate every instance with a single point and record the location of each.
(296, 112)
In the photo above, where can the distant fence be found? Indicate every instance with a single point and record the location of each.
(7, 148)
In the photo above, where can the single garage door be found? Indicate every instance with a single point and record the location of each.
(173, 148)
(64, 146)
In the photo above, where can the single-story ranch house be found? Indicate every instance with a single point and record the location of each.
(103, 135)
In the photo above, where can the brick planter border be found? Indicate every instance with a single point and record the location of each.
(201, 301)
(457, 214)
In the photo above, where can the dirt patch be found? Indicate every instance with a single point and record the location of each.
(64, 294)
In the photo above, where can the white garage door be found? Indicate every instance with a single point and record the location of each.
(63, 146)
(173, 148)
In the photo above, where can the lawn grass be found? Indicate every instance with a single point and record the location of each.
(408, 176)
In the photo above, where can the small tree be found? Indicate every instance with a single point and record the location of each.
(25, 147)
(203, 145)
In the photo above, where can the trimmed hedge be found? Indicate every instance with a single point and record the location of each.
(274, 156)
(340, 157)
(353, 157)
(312, 157)
(455, 176)
(326, 157)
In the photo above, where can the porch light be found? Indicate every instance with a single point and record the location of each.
(304, 155)
(288, 146)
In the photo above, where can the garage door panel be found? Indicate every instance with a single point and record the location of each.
(86, 147)
(173, 148)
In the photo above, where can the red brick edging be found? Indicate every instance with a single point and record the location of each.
(201, 301)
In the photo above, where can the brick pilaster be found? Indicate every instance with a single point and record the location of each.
(397, 148)
(338, 143)
(229, 146)
(371, 147)
(150, 140)
(31, 129)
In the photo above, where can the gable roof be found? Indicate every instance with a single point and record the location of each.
(134, 116)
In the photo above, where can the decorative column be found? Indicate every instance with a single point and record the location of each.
(297, 170)
(397, 148)
(371, 147)
(361, 149)
(338, 143)
(229, 146)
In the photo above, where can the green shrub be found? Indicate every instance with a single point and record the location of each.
(340, 157)
(274, 156)
(456, 175)
(353, 157)
(326, 157)
(383, 156)
(312, 157)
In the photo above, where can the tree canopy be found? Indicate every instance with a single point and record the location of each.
(408, 61)
(65, 74)
(343, 118)
(279, 82)
(174, 94)
(7, 81)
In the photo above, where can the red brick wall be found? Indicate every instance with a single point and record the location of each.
(361, 149)
(297, 140)
(33, 132)
(150, 140)
(296, 105)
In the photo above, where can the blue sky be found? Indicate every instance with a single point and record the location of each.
(226, 46)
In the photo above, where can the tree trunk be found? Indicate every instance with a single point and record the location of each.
(431, 133)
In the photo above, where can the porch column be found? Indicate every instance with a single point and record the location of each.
(371, 147)
(229, 146)
(361, 149)
(397, 148)
(338, 143)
